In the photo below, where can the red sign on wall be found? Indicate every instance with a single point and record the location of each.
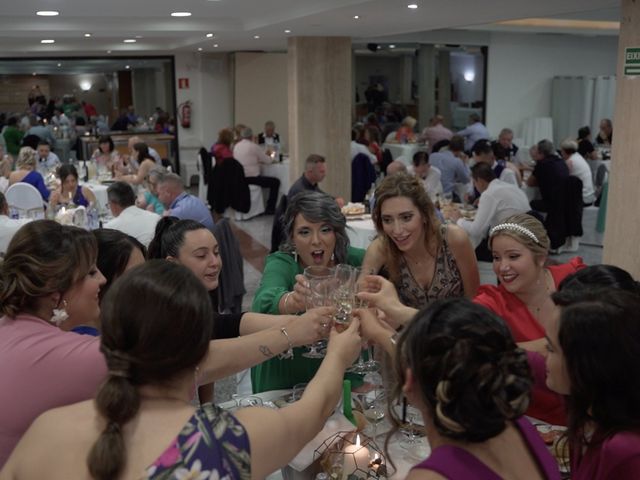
(183, 83)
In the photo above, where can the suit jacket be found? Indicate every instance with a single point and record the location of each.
(228, 187)
(362, 176)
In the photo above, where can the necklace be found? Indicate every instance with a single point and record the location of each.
(547, 292)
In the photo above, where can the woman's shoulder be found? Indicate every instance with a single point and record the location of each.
(279, 258)
(355, 256)
(454, 235)
(494, 297)
(560, 271)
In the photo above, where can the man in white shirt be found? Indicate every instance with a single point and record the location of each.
(134, 221)
(578, 167)
(498, 201)
(8, 226)
(357, 148)
(250, 156)
(430, 176)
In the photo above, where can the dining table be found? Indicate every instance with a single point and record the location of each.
(361, 230)
(279, 170)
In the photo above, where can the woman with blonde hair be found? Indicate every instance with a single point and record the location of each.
(222, 148)
(26, 172)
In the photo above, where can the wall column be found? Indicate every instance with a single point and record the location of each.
(426, 84)
(622, 230)
(320, 99)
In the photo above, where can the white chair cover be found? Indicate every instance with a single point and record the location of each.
(257, 205)
(25, 201)
(202, 188)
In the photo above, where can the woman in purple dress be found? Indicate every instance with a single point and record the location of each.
(458, 364)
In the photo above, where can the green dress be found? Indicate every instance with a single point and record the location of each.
(278, 278)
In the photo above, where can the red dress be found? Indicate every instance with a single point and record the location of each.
(545, 404)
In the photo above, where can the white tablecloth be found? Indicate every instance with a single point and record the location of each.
(404, 151)
(100, 191)
(361, 232)
(279, 170)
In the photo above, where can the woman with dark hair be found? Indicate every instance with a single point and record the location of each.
(424, 259)
(315, 236)
(70, 192)
(143, 161)
(594, 348)
(457, 363)
(105, 155)
(143, 422)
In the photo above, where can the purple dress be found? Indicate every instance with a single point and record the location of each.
(616, 458)
(456, 463)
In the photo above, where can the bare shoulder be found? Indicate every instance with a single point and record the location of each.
(70, 418)
(424, 474)
(456, 236)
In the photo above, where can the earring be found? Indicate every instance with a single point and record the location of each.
(60, 315)
(196, 394)
(295, 256)
(333, 256)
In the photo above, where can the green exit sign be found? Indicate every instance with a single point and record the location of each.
(632, 61)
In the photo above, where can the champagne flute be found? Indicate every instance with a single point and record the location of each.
(319, 281)
(343, 294)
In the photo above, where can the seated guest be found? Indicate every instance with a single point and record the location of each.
(269, 137)
(179, 203)
(250, 157)
(498, 200)
(123, 121)
(134, 221)
(520, 247)
(457, 363)
(47, 160)
(585, 145)
(452, 164)
(26, 172)
(474, 132)
(105, 155)
(314, 172)
(505, 140)
(605, 135)
(428, 175)
(435, 132)
(40, 130)
(405, 133)
(316, 236)
(594, 347)
(8, 226)
(144, 161)
(222, 148)
(70, 192)
(5, 171)
(155, 352)
(483, 152)
(578, 167)
(12, 136)
(548, 175)
(397, 166)
(134, 152)
(148, 199)
(357, 148)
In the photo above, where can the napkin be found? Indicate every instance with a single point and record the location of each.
(336, 423)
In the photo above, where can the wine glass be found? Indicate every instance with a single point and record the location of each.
(343, 294)
(375, 407)
(320, 282)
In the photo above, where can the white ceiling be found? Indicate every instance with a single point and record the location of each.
(235, 22)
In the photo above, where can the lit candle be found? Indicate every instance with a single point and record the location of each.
(356, 460)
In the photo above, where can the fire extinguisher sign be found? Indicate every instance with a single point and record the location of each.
(183, 83)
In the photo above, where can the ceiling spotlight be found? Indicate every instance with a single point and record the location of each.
(129, 40)
(47, 41)
(392, 46)
(209, 35)
(87, 35)
(256, 37)
(215, 45)
(138, 36)
(34, 74)
(180, 14)
(356, 17)
(412, 6)
(127, 67)
(59, 64)
(199, 49)
(108, 51)
(287, 31)
(48, 13)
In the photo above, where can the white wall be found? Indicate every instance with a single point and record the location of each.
(261, 92)
(522, 66)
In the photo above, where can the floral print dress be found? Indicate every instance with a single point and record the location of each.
(213, 445)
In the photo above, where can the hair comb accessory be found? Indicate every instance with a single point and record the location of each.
(514, 227)
(118, 363)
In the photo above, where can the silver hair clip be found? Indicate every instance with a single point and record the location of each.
(514, 227)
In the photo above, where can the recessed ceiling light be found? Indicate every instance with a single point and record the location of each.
(34, 74)
(47, 41)
(48, 13)
(108, 51)
(199, 49)
(209, 35)
(129, 40)
(356, 17)
(215, 45)
(287, 31)
(59, 64)
(256, 37)
(180, 14)
(127, 67)
(392, 46)
(138, 36)
(412, 6)
(87, 35)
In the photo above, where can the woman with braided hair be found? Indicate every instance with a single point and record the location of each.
(457, 363)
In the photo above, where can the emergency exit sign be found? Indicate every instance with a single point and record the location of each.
(632, 61)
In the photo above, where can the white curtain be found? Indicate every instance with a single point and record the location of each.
(580, 101)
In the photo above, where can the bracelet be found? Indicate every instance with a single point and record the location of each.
(289, 352)
(284, 305)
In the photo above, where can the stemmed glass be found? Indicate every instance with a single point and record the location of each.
(370, 365)
(343, 294)
(375, 409)
(320, 282)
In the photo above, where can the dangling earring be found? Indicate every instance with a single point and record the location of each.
(295, 256)
(196, 394)
(333, 256)
(60, 314)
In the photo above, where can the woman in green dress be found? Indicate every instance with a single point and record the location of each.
(316, 235)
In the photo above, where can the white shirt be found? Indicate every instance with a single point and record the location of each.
(499, 201)
(432, 183)
(357, 148)
(250, 156)
(51, 162)
(578, 167)
(8, 228)
(509, 176)
(134, 221)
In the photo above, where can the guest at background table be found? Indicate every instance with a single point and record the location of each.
(498, 201)
(594, 344)
(105, 155)
(8, 226)
(428, 175)
(5, 171)
(250, 157)
(42, 131)
(12, 136)
(585, 144)
(316, 236)
(89, 109)
(578, 167)
(474, 132)
(370, 138)
(148, 199)
(122, 122)
(315, 169)
(26, 172)
(435, 132)
(406, 133)
(269, 137)
(357, 148)
(47, 160)
(154, 352)
(426, 260)
(452, 164)
(70, 192)
(483, 152)
(134, 221)
(181, 204)
(505, 140)
(133, 151)
(457, 363)
(144, 161)
(605, 135)
(222, 148)
(548, 175)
